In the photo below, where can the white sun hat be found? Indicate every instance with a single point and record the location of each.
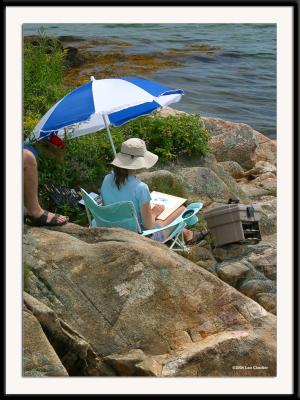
(134, 155)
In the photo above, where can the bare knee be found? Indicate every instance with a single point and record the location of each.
(29, 160)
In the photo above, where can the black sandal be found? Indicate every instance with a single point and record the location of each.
(197, 237)
(42, 220)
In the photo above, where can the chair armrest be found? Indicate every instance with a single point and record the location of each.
(176, 222)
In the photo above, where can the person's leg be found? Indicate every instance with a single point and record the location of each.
(31, 184)
(31, 201)
(187, 234)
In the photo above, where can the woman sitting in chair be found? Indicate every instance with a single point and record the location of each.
(122, 185)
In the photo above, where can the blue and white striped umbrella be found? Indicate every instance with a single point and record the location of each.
(99, 103)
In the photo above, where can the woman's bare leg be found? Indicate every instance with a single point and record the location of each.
(31, 201)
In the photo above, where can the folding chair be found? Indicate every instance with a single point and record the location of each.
(123, 215)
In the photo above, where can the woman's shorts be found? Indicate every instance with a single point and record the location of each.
(158, 236)
(31, 149)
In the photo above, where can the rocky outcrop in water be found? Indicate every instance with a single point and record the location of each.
(105, 58)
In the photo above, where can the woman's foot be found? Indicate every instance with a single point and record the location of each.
(46, 218)
(196, 237)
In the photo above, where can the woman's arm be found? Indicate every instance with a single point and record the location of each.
(149, 214)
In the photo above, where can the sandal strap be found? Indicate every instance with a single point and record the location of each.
(39, 221)
(42, 220)
(54, 220)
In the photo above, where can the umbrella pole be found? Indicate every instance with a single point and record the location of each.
(109, 134)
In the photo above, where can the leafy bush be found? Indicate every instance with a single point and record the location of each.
(90, 155)
(44, 64)
(170, 137)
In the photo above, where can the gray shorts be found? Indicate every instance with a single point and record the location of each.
(158, 236)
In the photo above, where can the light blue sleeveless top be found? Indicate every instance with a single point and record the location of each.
(132, 190)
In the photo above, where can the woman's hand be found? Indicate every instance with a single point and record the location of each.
(157, 210)
(149, 214)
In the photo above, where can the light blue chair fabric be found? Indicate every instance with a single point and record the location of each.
(123, 215)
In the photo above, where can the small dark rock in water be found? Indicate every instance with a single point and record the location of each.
(73, 57)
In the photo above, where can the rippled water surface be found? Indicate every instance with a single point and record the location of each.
(237, 83)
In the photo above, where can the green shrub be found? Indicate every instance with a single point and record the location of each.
(170, 137)
(90, 155)
(44, 65)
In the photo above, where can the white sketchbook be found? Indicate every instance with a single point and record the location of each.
(170, 202)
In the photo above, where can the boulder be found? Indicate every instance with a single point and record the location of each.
(268, 301)
(124, 294)
(169, 111)
(203, 257)
(39, 357)
(169, 179)
(230, 182)
(266, 149)
(238, 251)
(251, 269)
(232, 141)
(265, 262)
(261, 167)
(266, 181)
(206, 184)
(263, 185)
(125, 364)
(207, 161)
(233, 168)
(268, 221)
(253, 287)
(74, 351)
(253, 191)
(233, 272)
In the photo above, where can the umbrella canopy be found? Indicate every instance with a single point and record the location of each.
(99, 103)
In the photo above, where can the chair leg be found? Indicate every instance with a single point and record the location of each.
(175, 241)
(179, 242)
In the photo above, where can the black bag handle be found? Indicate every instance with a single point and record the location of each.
(250, 212)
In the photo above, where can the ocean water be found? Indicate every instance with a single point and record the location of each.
(236, 84)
